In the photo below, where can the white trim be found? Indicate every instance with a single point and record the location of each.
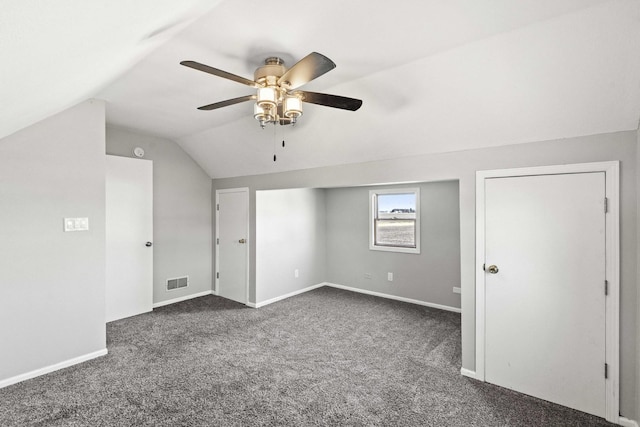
(216, 280)
(179, 299)
(612, 340)
(394, 297)
(468, 373)
(251, 304)
(52, 368)
(627, 422)
(285, 296)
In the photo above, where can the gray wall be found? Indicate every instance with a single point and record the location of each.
(52, 307)
(462, 166)
(290, 235)
(429, 276)
(182, 218)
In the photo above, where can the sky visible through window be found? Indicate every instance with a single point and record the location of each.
(388, 202)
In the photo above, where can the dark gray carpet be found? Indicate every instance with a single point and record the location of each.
(327, 357)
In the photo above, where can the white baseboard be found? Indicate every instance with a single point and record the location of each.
(468, 373)
(394, 297)
(285, 296)
(184, 298)
(626, 422)
(51, 368)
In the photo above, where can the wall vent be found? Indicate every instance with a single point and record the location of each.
(177, 283)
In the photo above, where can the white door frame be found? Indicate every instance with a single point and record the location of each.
(612, 259)
(244, 190)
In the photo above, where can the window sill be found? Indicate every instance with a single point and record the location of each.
(395, 249)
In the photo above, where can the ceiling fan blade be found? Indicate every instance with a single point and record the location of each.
(327, 100)
(226, 103)
(308, 68)
(207, 69)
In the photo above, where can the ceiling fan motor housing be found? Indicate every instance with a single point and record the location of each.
(270, 72)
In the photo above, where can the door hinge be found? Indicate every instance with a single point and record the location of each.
(217, 275)
(606, 287)
(218, 207)
(217, 240)
(606, 371)
(606, 205)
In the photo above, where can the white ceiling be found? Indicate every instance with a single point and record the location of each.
(434, 75)
(55, 54)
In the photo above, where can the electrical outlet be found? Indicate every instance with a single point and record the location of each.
(296, 273)
(367, 275)
(390, 277)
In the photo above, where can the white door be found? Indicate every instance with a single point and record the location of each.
(129, 231)
(232, 230)
(545, 304)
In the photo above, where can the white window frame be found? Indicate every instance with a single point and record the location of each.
(372, 217)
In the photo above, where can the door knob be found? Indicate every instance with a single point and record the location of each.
(148, 244)
(493, 269)
(242, 241)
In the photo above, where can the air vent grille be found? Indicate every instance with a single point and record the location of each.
(177, 283)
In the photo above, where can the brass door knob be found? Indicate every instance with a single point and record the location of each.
(493, 269)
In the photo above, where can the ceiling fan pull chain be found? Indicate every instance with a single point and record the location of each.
(274, 141)
(283, 135)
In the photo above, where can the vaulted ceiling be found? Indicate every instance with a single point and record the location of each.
(434, 75)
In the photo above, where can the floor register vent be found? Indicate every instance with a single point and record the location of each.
(177, 283)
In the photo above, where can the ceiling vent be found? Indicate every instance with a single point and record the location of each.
(177, 283)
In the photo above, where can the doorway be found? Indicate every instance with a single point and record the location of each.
(129, 236)
(232, 244)
(547, 283)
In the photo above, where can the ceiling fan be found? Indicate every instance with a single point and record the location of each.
(277, 100)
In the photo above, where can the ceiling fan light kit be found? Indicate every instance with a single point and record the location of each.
(276, 101)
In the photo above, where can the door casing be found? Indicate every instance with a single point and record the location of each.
(612, 259)
(244, 190)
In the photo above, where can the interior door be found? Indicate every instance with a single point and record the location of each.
(129, 231)
(232, 227)
(544, 287)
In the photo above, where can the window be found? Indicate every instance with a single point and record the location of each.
(395, 220)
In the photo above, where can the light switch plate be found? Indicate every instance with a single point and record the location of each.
(76, 224)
